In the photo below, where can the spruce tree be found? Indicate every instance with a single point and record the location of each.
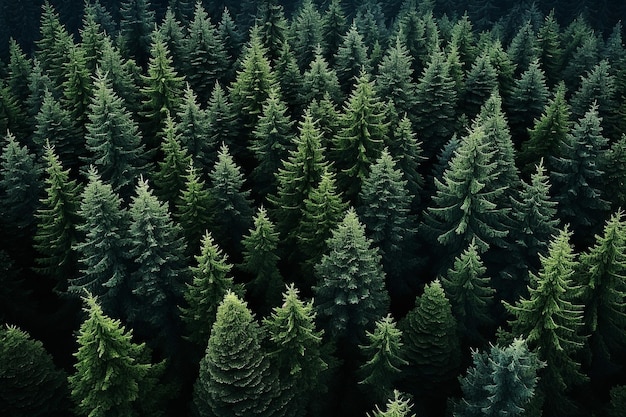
(479, 85)
(351, 60)
(123, 74)
(419, 42)
(462, 38)
(273, 28)
(222, 125)
(211, 280)
(92, 38)
(31, 383)
(334, 27)
(615, 173)
(528, 100)
(320, 80)
(232, 39)
(103, 249)
(193, 207)
(306, 33)
(351, 293)
(113, 375)
(57, 218)
(290, 80)
(398, 406)
(523, 48)
(113, 139)
(52, 46)
(260, 260)
(395, 78)
(550, 319)
(19, 70)
(236, 378)
(39, 84)
(77, 89)
(384, 362)
(172, 32)
(136, 24)
(192, 126)
(550, 50)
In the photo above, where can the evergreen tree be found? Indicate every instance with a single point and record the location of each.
(123, 74)
(77, 88)
(222, 125)
(470, 294)
(383, 352)
(206, 57)
(136, 24)
(192, 127)
(528, 100)
(421, 41)
(351, 60)
(334, 27)
(523, 48)
(550, 319)
(395, 78)
(602, 271)
(57, 219)
(583, 59)
(399, 406)
(158, 279)
(324, 111)
(193, 207)
(273, 28)
(297, 350)
(351, 294)
(480, 82)
(12, 115)
(260, 260)
(103, 248)
(500, 382)
(320, 80)
(290, 80)
(360, 140)
(431, 345)
(306, 33)
(172, 32)
(550, 49)
(231, 211)
(113, 139)
(92, 38)
(236, 378)
(211, 281)
(462, 38)
(39, 84)
(31, 383)
(170, 176)
(615, 173)
(19, 70)
(113, 375)
(52, 46)
(232, 39)
(272, 141)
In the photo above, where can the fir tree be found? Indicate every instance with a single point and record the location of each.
(235, 374)
(398, 406)
(136, 24)
(462, 38)
(123, 74)
(273, 28)
(192, 126)
(31, 383)
(528, 99)
(232, 39)
(222, 125)
(351, 60)
(290, 80)
(615, 173)
(306, 33)
(39, 84)
(351, 294)
(583, 59)
(550, 319)
(419, 41)
(320, 80)
(193, 207)
(170, 176)
(334, 27)
(211, 281)
(523, 48)
(479, 84)
(92, 38)
(550, 50)
(77, 89)
(53, 44)
(395, 78)
(172, 32)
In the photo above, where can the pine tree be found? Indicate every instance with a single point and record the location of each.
(52, 46)
(19, 69)
(583, 59)
(528, 100)
(550, 319)
(260, 260)
(523, 48)
(271, 143)
(351, 293)
(550, 49)
(158, 277)
(235, 374)
(222, 125)
(273, 28)
(103, 249)
(113, 375)
(351, 60)
(231, 209)
(192, 126)
(462, 38)
(136, 24)
(431, 345)
(306, 33)
(320, 80)
(172, 32)
(206, 60)
(334, 27)
(395, 78)
(57, 219)
(297, 350)
(383, 352)
(290, 80)
(361, 138)
(500, 382)
(421, 41)
(232, 39)
(123, 74)
(470, 294)
(113, 139)
(615, 173)
(480, 82)
(398, 406)
(39, 84)
(602, 271)
(77, 88)
(211, 281)
(193, 207)
(31, 383)
(92, 38)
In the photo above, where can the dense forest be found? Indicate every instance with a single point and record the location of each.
(312, 208)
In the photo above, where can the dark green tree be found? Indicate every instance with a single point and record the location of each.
(92, 38)
(550, 49)
(273, 28)
(232, 39)
(172, 32)
(193, 207)
(19, 70)
(528, 100)
(113, 375)
(395, 78)
(550, 319)
(77, 88)
(169, 178)
(523, 48)
(420, 40)
(585, 56)
(306, 33)
(351, 293)
(384, 362)
(123, 73)
(192, 126)
(222, 125)
(290, 81)
(351, 59)
(615, 173)
(463, 39)
(320, 80)
(31, 383)
(334, 27)
(136, 27)
(52, 46)
(236, 377)
(480, 82)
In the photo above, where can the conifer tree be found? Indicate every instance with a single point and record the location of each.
(306, 33)
(113, 139)
(470, 294)
(92, 38)
(505, 71)
(297, 350)
(38, 84)
(113, 375)
(57, 218)
(320, 80)
(523, 48)
(334, 27)
(273, 28)
(479, 85)
(550, 319)
(158, 277)
(431, 345)
(172, 32)
(500, 382)
(602, 271)
(52, 46)
(170, 175)
(351, 293)
(301, 172)
(615, 173)
(395, 78)
(236, 378)
(103, 249)
(222, 125)
(462, 38)
(136, 24)
(193, 207)
(211, 280)
(231, 208)
(361, 138)
(384, 362)
(232, 39)
(324, 111)
(290, 80)
(351, 60)
(550, 50)
(260, 260)
(192, 127)
(31, 383)
(206, 60)
(528, 100)
(123, 74)
(19, 70)
(12, 116)
(419, 40)
(398, 406)
(271, 143)
(77, 88)
(582, 59)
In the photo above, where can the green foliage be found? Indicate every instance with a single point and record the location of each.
(136, 24)
(236, 378)
(273, 28)
(550, 319)
(170, 176)
(395, 78)
(290, 80)
(77, 88)
(192, 126)
(523, 48)
(321, 80)
(500, 382)
(193, 207)
(211, 281)
(222, 124)
(351, 293)
(419, 33)
(172, 32)
(53, 44)
(31, 383)
(550, 49)
(480, 82)
(232, 39)
(615, 173)
(123, 74)
(334, 26)
(113, 375)
(396, 407)
(306, 33)
(528, 99)
(351, 60)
